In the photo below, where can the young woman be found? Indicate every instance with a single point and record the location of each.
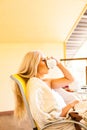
(46, 104)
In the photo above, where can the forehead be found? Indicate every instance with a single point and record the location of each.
(42, 55)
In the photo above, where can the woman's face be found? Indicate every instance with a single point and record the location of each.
(42, 66)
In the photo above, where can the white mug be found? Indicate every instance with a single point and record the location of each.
(51, 63)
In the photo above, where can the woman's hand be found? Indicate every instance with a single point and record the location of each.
(68, 107)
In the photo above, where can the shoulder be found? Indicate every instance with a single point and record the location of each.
(48, 81)
(33, 81)
(33, 85)
(36, 83)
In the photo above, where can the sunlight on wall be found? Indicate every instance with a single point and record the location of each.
(82, 51)
(78, 68)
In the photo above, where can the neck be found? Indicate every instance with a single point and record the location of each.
(40, 76)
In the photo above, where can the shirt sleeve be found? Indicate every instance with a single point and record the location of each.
(43, 105)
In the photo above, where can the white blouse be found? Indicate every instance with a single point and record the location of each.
(45, 103)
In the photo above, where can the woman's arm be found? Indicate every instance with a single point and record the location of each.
(61, 82)
(68, 107)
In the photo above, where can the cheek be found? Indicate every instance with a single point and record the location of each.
(42, 66)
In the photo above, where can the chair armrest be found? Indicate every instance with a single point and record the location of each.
(65, 121)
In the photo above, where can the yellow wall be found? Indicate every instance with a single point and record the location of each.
(38, 20)
(11, 55)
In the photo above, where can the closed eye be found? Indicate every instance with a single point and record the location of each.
(44, 59)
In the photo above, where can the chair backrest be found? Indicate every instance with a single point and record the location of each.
(22, 86)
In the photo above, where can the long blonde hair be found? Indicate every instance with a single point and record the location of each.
(27, 70)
